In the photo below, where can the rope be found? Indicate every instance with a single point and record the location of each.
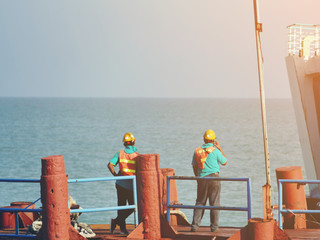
(299, 215)
(177, 212)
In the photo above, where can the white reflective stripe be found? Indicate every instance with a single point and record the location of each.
(128, 170)
(127, 161)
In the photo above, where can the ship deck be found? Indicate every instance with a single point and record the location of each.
(103, 233)
(184, 232)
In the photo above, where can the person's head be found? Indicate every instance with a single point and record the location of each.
(209, 136)
(128, 139)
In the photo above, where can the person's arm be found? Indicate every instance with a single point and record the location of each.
(217, 145)
(195, 170)
(194, 166)
(111, 169)
(113, 162)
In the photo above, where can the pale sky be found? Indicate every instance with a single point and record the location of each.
(145, 48)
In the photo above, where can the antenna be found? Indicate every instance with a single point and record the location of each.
(267, 211)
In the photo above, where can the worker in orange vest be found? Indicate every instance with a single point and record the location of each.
(126, 159)
(205, 162)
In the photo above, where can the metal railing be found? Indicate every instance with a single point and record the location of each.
(281, 209)
(304, 40)
(134, 207)
(17, 210)
(247, 209)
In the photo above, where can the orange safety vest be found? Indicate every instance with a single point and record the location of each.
(201, 155)
(127, 163)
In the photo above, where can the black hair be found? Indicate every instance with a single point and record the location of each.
(129, 143)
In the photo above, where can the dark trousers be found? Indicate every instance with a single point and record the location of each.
(124, 196)
(207, 189)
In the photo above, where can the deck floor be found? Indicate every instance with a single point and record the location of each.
(103, 233)
(184, 232)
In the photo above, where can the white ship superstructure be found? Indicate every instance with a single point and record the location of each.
(303, 65)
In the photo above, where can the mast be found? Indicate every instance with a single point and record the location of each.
(267, 211)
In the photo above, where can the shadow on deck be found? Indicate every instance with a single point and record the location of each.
(184, 232)
(103, 233)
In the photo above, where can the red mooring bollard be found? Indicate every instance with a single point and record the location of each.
(7, 219)
(175, 217)
(54, 198)
(294, 197)
(260, 229)
(149, 182)
(173, 188)
(27, 218)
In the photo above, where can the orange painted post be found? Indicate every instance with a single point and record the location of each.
(54, 198)
(294, 197)
(149, 181)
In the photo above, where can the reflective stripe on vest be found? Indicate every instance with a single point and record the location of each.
(201, 155)
(127, 163)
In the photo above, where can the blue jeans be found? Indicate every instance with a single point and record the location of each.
(207, 189)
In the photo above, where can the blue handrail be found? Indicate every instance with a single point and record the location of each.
(247, 209)
(16, 210)
(134, 206)
(280, 197)
(100, 179)
(19, 210)
(19, 180)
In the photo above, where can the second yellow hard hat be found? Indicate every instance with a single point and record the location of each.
(128, 137)
(209, 135)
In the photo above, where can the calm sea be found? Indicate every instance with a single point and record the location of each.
(88, 132)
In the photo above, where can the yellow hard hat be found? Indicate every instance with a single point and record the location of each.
(209, 135)
(128, 137)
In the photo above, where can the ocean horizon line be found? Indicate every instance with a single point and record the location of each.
(173, 98)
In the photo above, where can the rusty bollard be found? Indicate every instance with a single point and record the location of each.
(294, 197)
(54, 198)
(149, 179)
